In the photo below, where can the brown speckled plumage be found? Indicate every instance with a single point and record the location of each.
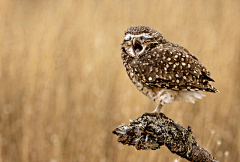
(154, 63)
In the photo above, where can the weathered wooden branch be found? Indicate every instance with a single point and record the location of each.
(152, 131)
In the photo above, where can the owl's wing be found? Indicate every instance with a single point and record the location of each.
(176, 68)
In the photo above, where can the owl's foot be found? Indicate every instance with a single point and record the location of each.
(152, 114)
(156, 112)
(158, 108)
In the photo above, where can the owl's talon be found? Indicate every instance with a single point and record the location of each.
(155, 114)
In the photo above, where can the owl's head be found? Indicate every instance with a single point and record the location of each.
(139, 39)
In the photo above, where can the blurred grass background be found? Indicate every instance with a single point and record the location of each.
(63, 87)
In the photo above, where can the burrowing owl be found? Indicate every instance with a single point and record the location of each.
(163, 71)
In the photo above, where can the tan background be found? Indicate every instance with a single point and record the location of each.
(63, 87)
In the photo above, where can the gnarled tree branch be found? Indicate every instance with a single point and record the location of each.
(152, 131)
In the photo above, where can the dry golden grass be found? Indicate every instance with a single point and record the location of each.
(63, 87)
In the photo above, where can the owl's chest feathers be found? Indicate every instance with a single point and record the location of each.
(157, 94)
(135, 72)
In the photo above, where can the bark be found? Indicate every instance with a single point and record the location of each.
(150, 131)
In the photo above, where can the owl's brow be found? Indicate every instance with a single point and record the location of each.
(139, 35)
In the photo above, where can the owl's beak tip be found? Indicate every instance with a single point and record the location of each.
(134, 41)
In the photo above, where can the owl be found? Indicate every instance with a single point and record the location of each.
(161, 70)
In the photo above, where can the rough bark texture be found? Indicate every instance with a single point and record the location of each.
(152, 131)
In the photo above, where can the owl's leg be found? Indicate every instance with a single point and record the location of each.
(158, 108)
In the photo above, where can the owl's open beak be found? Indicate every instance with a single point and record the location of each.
(137, 47)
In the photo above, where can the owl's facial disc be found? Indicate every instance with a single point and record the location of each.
(138, 43)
